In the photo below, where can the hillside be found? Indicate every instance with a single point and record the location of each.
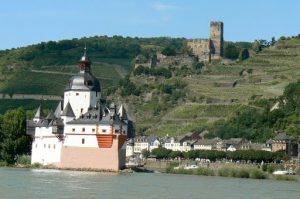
(192, 99)
(219, 92)
(45, 68)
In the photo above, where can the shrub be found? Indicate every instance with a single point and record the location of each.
(273, 167)
(285, 177)
(36, 165)
(224, 172)
(204, 171)
(24, 160)
(242, 173)
(257, 174)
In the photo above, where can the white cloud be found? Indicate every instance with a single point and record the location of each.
(161, 7)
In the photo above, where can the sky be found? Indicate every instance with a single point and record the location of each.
(25, 22)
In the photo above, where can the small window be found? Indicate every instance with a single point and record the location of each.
(44, 145)
(35, 145)
(103, 130)
(82, 141)
(93, 130)
(73, 129)
(49, 146)
(77, 94)
(81, 110)
(53, 146)
(83, 129)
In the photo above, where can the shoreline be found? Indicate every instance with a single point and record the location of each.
(225, 171)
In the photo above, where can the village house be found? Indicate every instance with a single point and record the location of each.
(146, 143)
(254, 146)
(284, 142)
(206, 144)
(179, 144)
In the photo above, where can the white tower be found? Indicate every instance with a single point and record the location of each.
(83, 90)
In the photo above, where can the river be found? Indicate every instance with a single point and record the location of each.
(52, 184)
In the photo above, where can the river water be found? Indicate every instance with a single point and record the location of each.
(52, 184)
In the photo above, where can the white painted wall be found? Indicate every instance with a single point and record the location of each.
(46, 147)
(80, 101)
(75, 134)
(139, 146)
(87, 128)
(81, 141)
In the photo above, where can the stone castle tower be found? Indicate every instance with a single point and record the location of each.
(216, 37)
(212, 48)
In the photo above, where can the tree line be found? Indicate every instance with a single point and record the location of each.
(214, 155)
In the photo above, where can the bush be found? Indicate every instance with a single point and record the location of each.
(3, 164)
(231, 51)
(24, 160)
(161, 153)
(204, 171)
(224, 172)
(285, 177)
(243, 173)
(273, 167)
(36, 165)
(257, 174)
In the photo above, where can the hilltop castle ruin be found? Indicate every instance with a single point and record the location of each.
(212, 48)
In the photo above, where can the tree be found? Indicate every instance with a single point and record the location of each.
(244, 54)
(145, 153)
(175, 154)
(169, 51)
(161, 152)
(257, 47)
(14, 140)
(231, 51)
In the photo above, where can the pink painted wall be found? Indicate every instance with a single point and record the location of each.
(93, 158)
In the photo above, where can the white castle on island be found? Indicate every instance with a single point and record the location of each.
(82, 133)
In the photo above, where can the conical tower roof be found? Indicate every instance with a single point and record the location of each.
(58, 110)
(122, 113)
(39, 113)
(68, 111)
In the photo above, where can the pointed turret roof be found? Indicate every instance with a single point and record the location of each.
(50, 116)
(39, 113)
(58, 110)
(68, 111)
(122, 113)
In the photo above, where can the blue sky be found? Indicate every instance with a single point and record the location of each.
(27, 22)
